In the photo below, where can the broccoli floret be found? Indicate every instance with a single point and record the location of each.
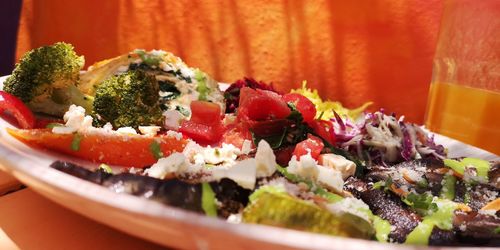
(128, 100)
(45, 79)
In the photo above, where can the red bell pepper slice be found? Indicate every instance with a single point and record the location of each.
(128, 151)
(23, 115)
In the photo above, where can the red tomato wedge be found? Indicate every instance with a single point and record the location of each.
(325, 130)
(18, 109)
(303, 105)
(257, 105)
(128, 151)
(205, 126)
(205, 112)
(312, 145)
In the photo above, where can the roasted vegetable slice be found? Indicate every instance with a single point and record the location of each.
(283, 210)
(128, 151)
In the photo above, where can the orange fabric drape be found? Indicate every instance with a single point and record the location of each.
(351, 51)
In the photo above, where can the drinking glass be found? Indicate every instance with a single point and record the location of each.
(464, 96)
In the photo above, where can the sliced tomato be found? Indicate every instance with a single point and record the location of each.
(128, 151)
(312, 145)
(258, 105)
(303, 105)
(236, 136)
(17, 109)
(205, 125)
(325, 130)
(201, 133)
(205, 112)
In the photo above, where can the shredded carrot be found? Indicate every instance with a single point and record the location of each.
(398, 190)
(493, 205)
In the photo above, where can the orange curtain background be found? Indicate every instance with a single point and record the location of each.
(351, 51)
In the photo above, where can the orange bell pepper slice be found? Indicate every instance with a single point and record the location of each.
(128, 151)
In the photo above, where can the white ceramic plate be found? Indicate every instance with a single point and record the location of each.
(162, 224)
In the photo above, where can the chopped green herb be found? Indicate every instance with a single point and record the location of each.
(423, 183)
(295, 115)
(168, 90)
(448, 189)
(497, 230)
(275, 141)
(321, 115)
(378, 185)
(183, 111)
(442, 218)
(208, 200)
(54, 124)
(202, 87)
(388, 184)
(149, 59)
(155, 149)
(75, 143)
(482, 167)
(422, 203)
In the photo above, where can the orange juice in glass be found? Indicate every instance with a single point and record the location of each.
(464, 96)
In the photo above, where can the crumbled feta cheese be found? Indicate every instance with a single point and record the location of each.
(266, 161)
(225, 155)
(75, 120)
(246, 147)
(234, 218)
(159, 53)
(173, 164)
(191, 149)
(331, 179)
(149, 130)
(340, 163)
(187, 72)
(127, 131)
(173, 119)
(307, 168)
(173, 134)
(244, 173)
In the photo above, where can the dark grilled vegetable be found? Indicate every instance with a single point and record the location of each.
(171, 192)
(387, 206)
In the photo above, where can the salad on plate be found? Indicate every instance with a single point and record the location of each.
(161, 130)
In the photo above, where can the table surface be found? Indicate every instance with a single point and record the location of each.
(30, 221)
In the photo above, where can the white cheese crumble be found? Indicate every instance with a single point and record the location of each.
(307, 168)
(174, 163)
(215, 163)
(173, 134)
(243, 173)
(340, 163)
(173, 119)
(225, 155)
(235, 218)
(149, 130)
(127, 131)
(75, 120)
(266, 161)
(246, 147)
